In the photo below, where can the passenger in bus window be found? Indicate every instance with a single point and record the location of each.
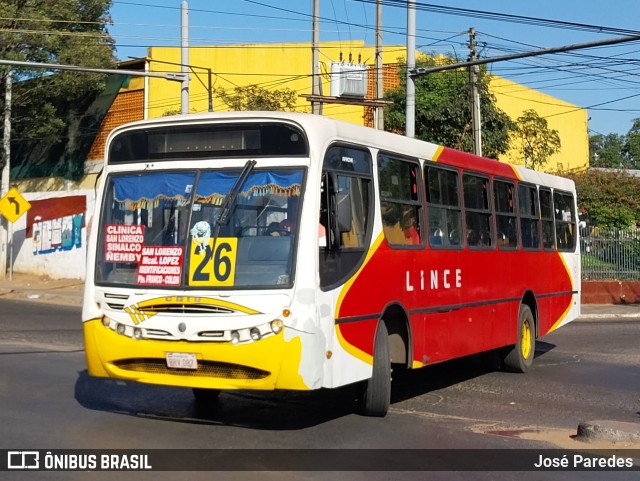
(391, 223)
(273, 229)
(287, 227)
(282, 228)
(410, 226)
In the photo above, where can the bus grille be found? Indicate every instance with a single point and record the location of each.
(181, 308)
(205, 369)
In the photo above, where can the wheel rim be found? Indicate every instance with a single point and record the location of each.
(525, 340)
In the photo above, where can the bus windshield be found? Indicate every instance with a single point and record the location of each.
(167, 229)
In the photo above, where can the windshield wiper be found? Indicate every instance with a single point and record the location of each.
(229, 203)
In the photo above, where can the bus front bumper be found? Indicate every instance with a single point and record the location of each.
(267, 364)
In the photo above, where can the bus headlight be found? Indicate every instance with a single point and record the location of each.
(277, 325)
(255, 334)
(235, 337)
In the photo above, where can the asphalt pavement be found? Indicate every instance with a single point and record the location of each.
(69, 292)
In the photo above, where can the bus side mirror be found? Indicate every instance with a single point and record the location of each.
(343, 211)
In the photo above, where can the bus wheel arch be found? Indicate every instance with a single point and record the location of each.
(396, 320)
(519, 356)
(530, 300)
(390, 346)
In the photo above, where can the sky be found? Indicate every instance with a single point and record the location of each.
(604, 80)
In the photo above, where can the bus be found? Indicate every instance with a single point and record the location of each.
(289, 251)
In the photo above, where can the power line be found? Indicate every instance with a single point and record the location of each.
(305, 16)
(546, 51)
(506, 17)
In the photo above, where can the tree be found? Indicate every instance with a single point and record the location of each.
(254, 97)
(537, 142)
(611, 199)
(608, 151)
(48, 108)
(443, 109)
(632, 145)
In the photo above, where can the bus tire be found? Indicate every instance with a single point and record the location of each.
(205, 397)
(377, 390)
(519, 358)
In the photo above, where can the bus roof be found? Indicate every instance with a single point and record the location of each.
(319, 128)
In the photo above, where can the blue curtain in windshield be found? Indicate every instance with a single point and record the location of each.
(150, 187)
(214, 186)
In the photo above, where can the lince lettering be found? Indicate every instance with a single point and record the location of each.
(433, 280)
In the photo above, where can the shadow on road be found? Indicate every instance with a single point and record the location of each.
(417, 382)
(271, 410)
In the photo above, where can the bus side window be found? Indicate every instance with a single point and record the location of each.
(529, 216)
(400, 204)
(503, 199)
(347, 180)
(478, 215)
(546, 213)
(443, 207)
(565, 219)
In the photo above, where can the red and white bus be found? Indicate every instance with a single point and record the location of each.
(260, 250)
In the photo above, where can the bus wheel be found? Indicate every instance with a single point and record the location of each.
(519, 358)
(377, 390)
(204, 396)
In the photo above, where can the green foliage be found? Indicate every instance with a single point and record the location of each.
(45, 104)
(611, 199)
(443, 110)
(615, 151)
(537, 142)
(632, 145)
(253, 97)
(608, 151)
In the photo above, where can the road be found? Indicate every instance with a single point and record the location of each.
(584, 371)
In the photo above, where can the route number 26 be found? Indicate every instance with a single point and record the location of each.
(209, 268)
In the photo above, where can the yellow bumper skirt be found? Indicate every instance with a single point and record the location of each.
(271, 363)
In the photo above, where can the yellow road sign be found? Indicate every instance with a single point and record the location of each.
(13, 205)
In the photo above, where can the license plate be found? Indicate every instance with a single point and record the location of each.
(182, 360)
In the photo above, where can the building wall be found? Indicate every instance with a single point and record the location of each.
(51, 238)
(127, 107)
(267, 65)
(569, 120)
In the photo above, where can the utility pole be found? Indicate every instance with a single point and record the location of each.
(6, 167)
(379, 112)
(474, 75)
(316, 106)
(410, 130)
(184, 56)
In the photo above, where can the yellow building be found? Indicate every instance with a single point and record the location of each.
(277, 66)
(569, 120)
(288, 65)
